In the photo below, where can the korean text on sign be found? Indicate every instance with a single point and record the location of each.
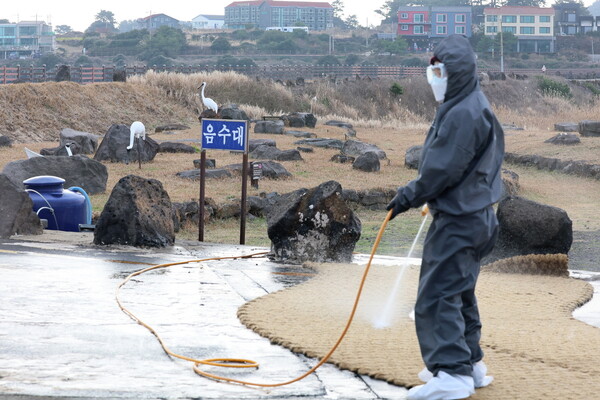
(224, 134)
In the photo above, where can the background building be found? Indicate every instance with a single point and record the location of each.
(316, 16)
(533, 27)
(204, 21)
(423, 27)
(155, 21)
(26, 39)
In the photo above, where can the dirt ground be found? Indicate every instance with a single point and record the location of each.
(574, 194)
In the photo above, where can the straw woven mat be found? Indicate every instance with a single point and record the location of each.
(533, 347)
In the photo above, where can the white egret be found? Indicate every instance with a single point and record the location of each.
(137, 130)
(208, 102)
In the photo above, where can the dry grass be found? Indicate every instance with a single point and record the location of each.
(222, 87)
(38, 112)
(532, 142)
(33, 114)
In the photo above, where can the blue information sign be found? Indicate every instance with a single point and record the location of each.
(224, 134)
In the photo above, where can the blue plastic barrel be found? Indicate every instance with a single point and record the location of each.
(63, 209)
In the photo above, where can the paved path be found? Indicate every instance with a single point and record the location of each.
(63, 335)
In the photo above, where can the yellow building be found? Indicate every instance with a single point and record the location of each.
(533, 26)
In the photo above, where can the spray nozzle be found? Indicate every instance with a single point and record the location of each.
(425, 210)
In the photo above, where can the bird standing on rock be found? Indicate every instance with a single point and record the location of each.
(208, 102)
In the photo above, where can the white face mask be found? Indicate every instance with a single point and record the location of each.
(438, 79)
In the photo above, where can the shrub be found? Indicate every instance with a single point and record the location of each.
(352, 59)
(50, 60)
(396, 89)
(553, 88)
(84, 60)
(328, 60)
(592, 88)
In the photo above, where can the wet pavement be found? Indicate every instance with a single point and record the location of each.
(62, 334)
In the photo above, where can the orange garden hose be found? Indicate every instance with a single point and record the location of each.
(238, 362)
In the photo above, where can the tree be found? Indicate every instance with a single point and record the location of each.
(166, 41)
(108, 17)
(338, 8)
(62, 29)
(338, 12)
(393, 46)
(220, 44)
(352, 22)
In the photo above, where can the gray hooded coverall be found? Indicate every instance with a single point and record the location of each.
(459, 178)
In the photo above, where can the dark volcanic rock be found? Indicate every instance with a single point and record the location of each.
(368, 162)
(76, 171)
(114, 146)
(357, 148)
(87, 142)
(16, 211)
(567, 139)
(313, 225)
(138, 213)
(413, 157)
(273, 153)
(275, 127)
(175, 147)
(527, 227)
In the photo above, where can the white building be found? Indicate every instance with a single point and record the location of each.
(204, 21)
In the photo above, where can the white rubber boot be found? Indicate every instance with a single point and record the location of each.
(444, 386)
(479, 375)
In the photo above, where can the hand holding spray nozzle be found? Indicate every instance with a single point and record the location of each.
(424, 210)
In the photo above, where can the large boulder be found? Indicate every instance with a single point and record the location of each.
(114, 146)
(273, 153)
(566, 127)
(87, 142)
(367, 162)
(322, 142)
(194, 174)
(528, 227)
(232, 111)
(313, 225)
(138, 213)
(62, 150)
(567, 139)
(275, 127)
(76, 171)
(175, 147)
(254, 143)
(300, 120)
(412, 158)
(357, 148)
(589, 128)
(16, 211)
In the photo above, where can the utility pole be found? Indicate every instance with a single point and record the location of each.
(501, 46)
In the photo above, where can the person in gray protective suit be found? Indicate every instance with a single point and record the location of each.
(459, 179)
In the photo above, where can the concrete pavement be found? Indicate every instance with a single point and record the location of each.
(62, 334)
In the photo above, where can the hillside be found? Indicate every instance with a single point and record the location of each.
(37, 112)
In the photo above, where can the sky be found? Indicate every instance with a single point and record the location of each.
(80, 14)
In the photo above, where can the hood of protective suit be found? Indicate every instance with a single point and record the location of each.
(456, 53)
